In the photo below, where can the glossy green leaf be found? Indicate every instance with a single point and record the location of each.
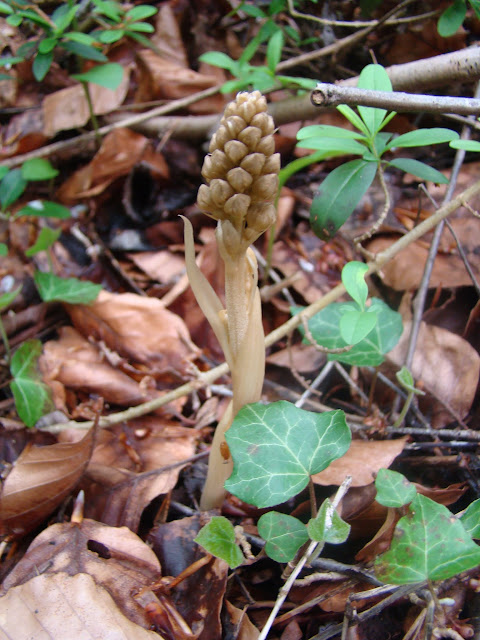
(393, 489)
(70, 290)
(277, 447)
(353, 278)
(274, 50)
(354, 118)
(328, 526)
(423, 138)
(5, 8)
(325, 329)
(326, 131)
(219, 59)
(38, 169)
(355, 325)
(3, 171)
(47, 44)
(63, 16)
(373, 77)
(467, 145)
(338, 195)
(44, 209)
(41, 65)
(46, 238)
(109, 37)
(32, 396)
(142, 27)
(84, 51)
(218, 538)
(108, 75)
(140, 12)
(329, 144)
(429, 543)
(452, 18)
(419, 169)
(12, 186)
(283, 534)
(405, 378)
(470, 519)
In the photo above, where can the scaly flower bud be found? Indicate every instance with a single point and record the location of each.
(242, 171)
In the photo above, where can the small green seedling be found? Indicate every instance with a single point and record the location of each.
(30, 394)
(260, 77)
(343, 188)
(372, 330)
(453, 16)
(405, 378)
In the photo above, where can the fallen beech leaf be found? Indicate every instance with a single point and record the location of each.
(62, 607)
(120, 151)
(115, 558)
(139, 328)
(68, 108)
(38, 482)
(74, 363)
(167, 37)
(447, 366)
(243, 628)
(404, 272)
(362, 461)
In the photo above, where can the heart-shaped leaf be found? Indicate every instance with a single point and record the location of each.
(283, 534)
(393, 489)
(277, 447)
(218, 538)
(328, 526)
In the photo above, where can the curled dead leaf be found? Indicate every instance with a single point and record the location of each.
(39, 481)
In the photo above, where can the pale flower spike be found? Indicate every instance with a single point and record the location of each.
(242, 182)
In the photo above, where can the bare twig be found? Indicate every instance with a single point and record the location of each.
(331, 95)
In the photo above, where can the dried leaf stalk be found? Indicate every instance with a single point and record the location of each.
(241, 172)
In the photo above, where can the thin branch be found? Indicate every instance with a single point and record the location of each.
(280, 332)
(331, 95)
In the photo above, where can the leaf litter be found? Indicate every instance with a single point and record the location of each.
(128, 348)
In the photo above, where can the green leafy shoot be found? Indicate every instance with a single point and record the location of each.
(393, 489)
(46, 238)
(429, 543)
(452, 18)
(32, 396)
(271, 463)
(344, 187)
(108, 75)
(218, 538)
(70, 290)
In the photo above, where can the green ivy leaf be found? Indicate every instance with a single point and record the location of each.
(277, 447)
(423, 138)
(353, 278)
(429, 543)
(393, 489)
(32, 396)
(325, 329)
(46, 238)
(283, 534)
(328, 526)
(106, 75)
(470, 519)
(420, 170)
(38, 169)
(338, 195)
(70, 290)
(356, 325)
(218, 538)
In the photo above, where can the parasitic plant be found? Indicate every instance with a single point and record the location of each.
(241, 172)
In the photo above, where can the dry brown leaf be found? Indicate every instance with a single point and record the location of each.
(74, 363)
(244, 629)
(362, 461)
(121, 150)
(167, 37)
(62, 607)
(445, 365)
(163, 266)
(39, 481)
(68, 108)
(115, 558)
(404, 272)
(138, 328)
(163, 79)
